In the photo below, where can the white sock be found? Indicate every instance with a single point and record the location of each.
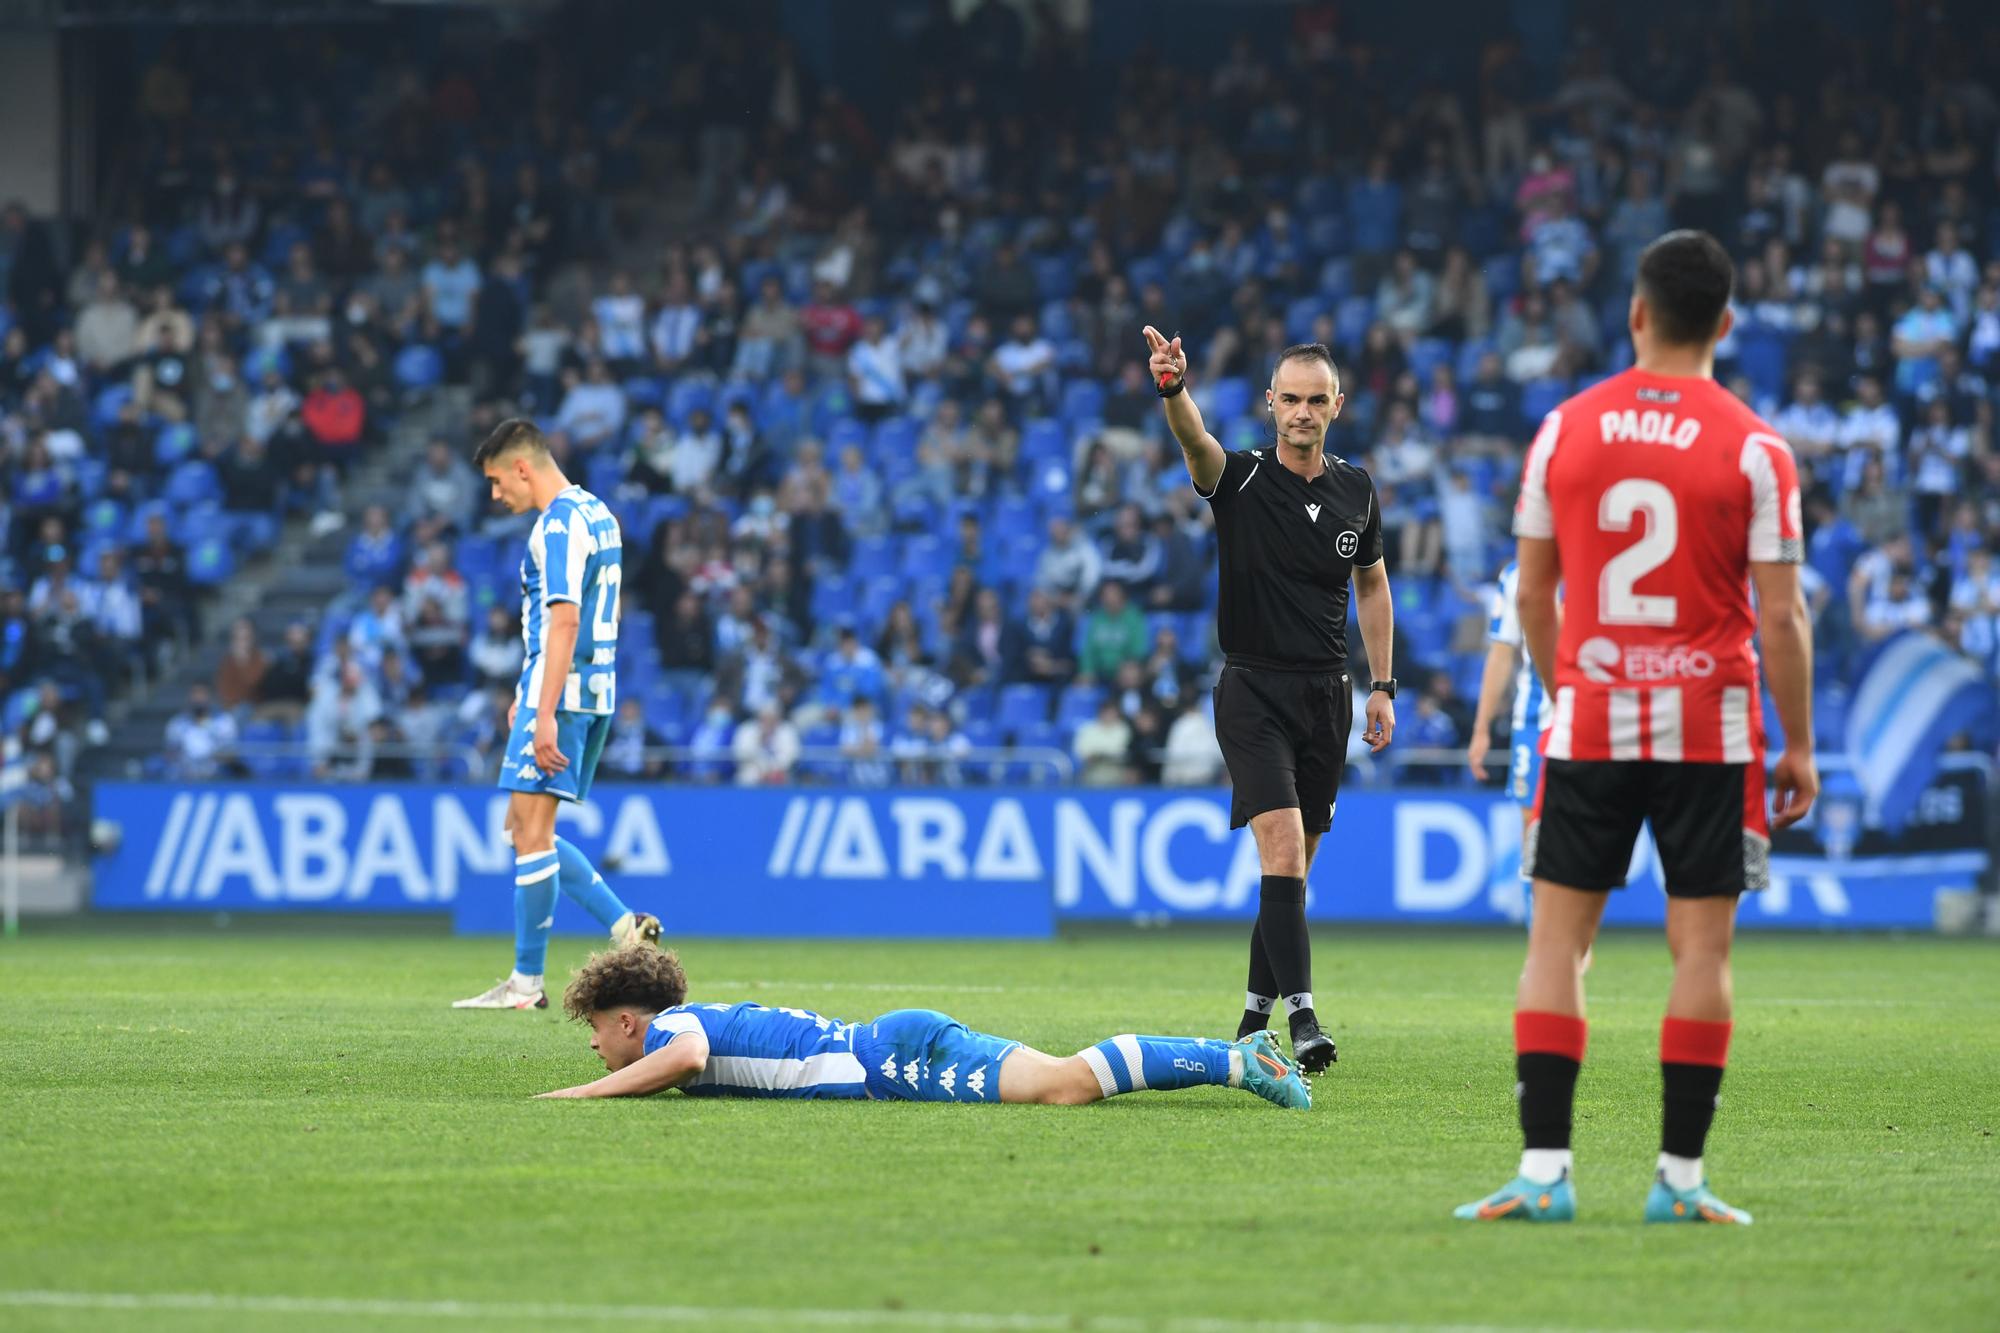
(1235, 1066)
(1257, 1004)
(1545, 1166)
(1682, 1173)
(522, 981)
(1294, 1003)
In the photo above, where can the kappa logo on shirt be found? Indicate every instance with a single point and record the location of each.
(554, 525)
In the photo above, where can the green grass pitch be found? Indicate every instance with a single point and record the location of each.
(284, 1126)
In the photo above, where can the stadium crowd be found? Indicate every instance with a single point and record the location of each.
(895, 490)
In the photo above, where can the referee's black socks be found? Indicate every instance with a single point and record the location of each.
(1261, 996)
(1281, 929)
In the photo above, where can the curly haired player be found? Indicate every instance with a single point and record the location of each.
(634, 999)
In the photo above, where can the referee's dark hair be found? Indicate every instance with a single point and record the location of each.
(1686, 278)
(1309, 352)
(511, 434)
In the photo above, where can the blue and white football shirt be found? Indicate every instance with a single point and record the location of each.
(1504, 626)
(759, 1052)
(574, 555)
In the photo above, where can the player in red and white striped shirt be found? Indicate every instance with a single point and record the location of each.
(1658, 499)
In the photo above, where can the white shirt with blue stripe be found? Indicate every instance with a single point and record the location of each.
(574, 555)
(759, 1052)
(1504, 626)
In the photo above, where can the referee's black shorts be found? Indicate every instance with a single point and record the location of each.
(1284, 738)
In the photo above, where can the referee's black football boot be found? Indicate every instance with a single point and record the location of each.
(1312, 1050)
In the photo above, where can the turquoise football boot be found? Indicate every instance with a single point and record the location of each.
(1524, 1200)
(1667, 1204)
(1271, 1076)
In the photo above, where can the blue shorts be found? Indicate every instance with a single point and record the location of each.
(1525, 773)
(580, 737)
(921, 1055)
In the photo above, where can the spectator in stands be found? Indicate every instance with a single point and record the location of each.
(1879, 511)
(396, 682)
(1192, 758)
(593, 407)
(1069, 567)
(861, 745)
(337, 726)
(1899, 607)
(107, 329)
(433, 582)
(1133, 556)
(240, 677)
(831, 326)
(625, 751)
(875, 372)
(42, 797)
(766, 749)
(1025, 366)
(201, 739)
(858, 493)
(1113, 634)
(285, 683)
(112, 603)
(375, 554)
(620, 313)
(165, 601)
(497, 653)
(851, 671)
(1102, 747)
(985, 648)
(677, 327)
(377, 629)
(450, 282)
(335, 418)
(443, 496)
(273, 407)
(695, 462)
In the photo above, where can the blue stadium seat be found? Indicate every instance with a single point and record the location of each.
(1074, 356)
(209, 561)
(686, 395)
(419, 366)
(173, 443)
(1336, 279)
(1023, 706)
(104, 518)
(1056, 323)
(1327, 235)
(877, 597)
(1228, 398)
(1044, 438)
(1503, 276)
(1082, 400)
(1078, 705)
(1426, 355)
(873, 557)
(833, 599)
(925, 555)
(1761, 355)
(1055, 276)
(192, 483)
(895, 440)
(1541, 397)
(604, 472)
(1351, 320)
(1299, 316)
(843, 432)
(644, 391)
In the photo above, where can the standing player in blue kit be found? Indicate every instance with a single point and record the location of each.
(563, 706)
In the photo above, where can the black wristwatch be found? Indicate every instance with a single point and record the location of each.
(1387, 687)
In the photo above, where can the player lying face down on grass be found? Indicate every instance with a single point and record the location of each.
(651, 1039)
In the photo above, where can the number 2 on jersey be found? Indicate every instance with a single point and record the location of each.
(1617, 604)
(604, 622)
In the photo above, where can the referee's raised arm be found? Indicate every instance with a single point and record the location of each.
(1202, 451)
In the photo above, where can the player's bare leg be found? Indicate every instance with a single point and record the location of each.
(1694, 1048)
(1559, 939)
(531, 827)
(1132, 1063)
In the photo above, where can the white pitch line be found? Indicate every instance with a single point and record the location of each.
(210, 1302)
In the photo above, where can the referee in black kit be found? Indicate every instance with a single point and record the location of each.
(1292, 524)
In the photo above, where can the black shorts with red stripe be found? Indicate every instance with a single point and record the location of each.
(1709, 825)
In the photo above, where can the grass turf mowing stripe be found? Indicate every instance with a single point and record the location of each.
(973, 1321)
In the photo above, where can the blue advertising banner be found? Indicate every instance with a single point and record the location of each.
(840, 862)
